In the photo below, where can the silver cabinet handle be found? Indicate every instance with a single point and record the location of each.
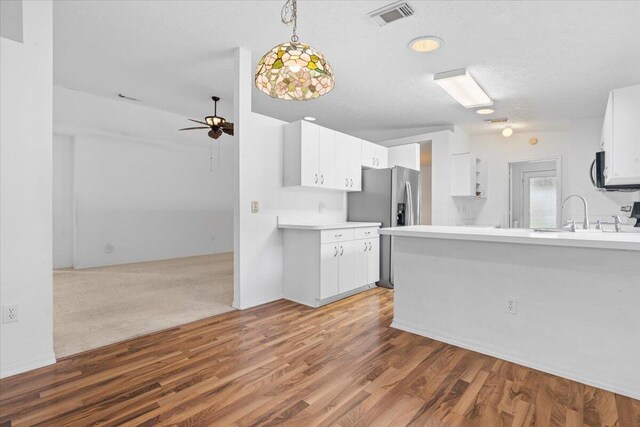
(337, 235)
(321, 179)
(346, 182)
(373, 161)
(350, 182)
(341, 250)
(369, 245)
(336, 252)
(316, 178)
(367, 232)
(365, 246)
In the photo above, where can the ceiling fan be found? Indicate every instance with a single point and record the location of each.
(216, 125)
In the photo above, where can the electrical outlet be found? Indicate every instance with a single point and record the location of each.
(108, 248)
(255, 207)
(511, 305)
(10, 313)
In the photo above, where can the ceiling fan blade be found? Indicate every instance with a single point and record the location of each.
(228, 128)
(201, 127)
(198, 121)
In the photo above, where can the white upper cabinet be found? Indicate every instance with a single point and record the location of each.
(374, 156)
(467, 176)
(621, 137)
(348, 170)
(327, 150)
(315, 156)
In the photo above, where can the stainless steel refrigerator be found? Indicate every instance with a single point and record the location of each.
(392, 197)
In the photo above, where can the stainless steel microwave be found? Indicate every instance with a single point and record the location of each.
(596, 174)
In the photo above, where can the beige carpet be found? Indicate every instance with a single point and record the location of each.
(98, 306)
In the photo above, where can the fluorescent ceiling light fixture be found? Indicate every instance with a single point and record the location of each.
(507, 132)
(485, 111)
(425, 44)
(310, 119)
(461, 86)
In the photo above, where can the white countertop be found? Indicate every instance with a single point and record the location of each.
(590, 239)
(326, 226)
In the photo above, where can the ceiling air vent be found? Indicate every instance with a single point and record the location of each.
(500, 120)
(390, 13)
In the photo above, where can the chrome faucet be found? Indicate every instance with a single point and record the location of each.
(585, 224)
(618, 223)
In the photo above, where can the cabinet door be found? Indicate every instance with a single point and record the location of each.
(463, 175)
(361, 263)
(346, 269)
(342, 152)
(329, 269)
(373, 261)
(382, 157)
(326, 157)
(309, 155)
(355, 168)
(367, 155)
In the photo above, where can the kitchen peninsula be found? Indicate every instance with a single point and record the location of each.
(564, 303)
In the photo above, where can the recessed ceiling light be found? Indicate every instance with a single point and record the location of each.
(461, 86)
(507, 132)
(426, 44)
(485, 111)
(310, 119)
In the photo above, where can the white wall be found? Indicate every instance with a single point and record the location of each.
(63, 202)
(260, 173)
(143, 190)
(25, 192)
(576, 147)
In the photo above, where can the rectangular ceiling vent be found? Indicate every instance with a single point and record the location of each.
(500, 120)
(390, 13)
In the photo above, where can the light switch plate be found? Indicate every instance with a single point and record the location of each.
(255, 207)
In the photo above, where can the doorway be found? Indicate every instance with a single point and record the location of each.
(425, 184)
(535, 194)
(142, 236)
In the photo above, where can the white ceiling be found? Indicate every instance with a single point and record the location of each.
(543, 63)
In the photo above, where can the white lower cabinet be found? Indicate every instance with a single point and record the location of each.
(366, 262)
(323, 266)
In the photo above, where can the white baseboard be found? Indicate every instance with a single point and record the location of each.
(243, 305)
(21, 367)
(565, 371)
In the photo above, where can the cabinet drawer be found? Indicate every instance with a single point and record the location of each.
(365, 233)
(336, 235)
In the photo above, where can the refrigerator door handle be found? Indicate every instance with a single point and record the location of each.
(409, 199)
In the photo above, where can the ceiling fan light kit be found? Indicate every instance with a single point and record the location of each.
(217, 125)
(294, 71)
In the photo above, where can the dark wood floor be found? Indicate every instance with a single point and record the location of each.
(283, 363)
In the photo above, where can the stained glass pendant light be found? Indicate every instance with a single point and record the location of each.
(294, 71)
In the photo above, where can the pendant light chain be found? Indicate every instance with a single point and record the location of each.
(289, 15)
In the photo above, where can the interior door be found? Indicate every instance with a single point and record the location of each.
(329, 266)
(326, 157)
(346, 268)
(373, 261)
(310, 155)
